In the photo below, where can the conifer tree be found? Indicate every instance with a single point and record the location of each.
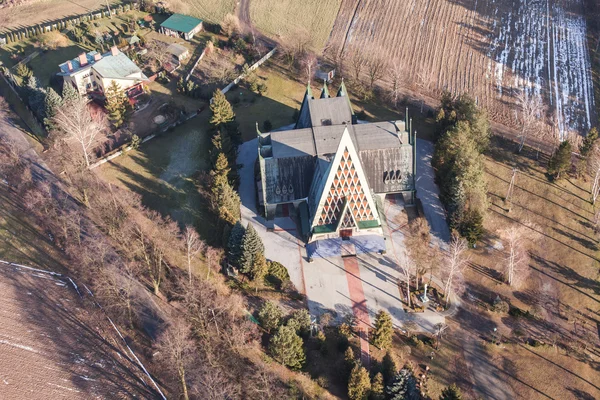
(588, 142)
(270, 316)
(117, 104)
(69, 93)
(377, 387)
(452, 392)
(359, 383)
(349, 361)
(219, 174)
(228, 205)
(404, 386)
(560, 161)
(260, 268)
(300, 320)
(222, 112)
(286, 348)
(389, 368)
(251, 246)
(51, 103)
(35, 97)
(23, 71)
(234, 245)
(382, 334)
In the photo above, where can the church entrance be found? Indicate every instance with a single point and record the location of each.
(345, 233)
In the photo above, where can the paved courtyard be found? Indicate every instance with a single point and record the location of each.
(360, 285)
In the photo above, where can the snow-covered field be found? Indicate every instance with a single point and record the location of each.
(540, 47)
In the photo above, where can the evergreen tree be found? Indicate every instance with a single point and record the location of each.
(588, 142)
(471, 226)
(117, 104)
(234, 245)
(270, 316)
(383, 332)
(251, 246)
(35, 97)
(377, 388)
(222, 112)
(560, 161)
(51, 103)
(359, 383)
(228, 205)
(286, 348)
(23, 71)
(404, 386)
(219, 173)
(452, 392)
(389, 368)
(350, 362)
(69, 93)
(300, 321)
(260, 268)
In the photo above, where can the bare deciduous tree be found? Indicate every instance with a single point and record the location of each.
(358, 62)
(422, 252)
(515, 263)
(117, 289)
(377, 65)
(531, 111)
(309, 65)
(455, 262)
(408, 270)
(213, 259)
(74, 120)
(295, 44)
(176, 348)
(193, 245)
(397, 74)
(230, 25)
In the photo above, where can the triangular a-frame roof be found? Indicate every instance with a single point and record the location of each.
(346, 186)
(325, 91)
(342, 92)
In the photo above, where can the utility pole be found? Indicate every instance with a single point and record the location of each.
(511, 186)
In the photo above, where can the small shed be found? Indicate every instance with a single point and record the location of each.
(132, 41)
(179, 25)
(178, 51)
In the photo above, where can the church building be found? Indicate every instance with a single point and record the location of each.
(333, 170)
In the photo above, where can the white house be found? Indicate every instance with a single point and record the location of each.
(94, 72)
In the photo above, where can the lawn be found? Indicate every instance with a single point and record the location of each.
(208, 10)
(161, 171)
(289, 17)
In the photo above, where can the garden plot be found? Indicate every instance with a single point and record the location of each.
(492, 49)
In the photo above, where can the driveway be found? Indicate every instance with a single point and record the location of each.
(360, 285)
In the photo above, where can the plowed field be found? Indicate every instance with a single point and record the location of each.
(489, 48)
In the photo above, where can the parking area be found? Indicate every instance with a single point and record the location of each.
(359, 285)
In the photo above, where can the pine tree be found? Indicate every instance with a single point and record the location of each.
(222, 112)
(228, 205)
(23, 71)
(116, 104)
(359, 383)
(560, 160)
(35, 97)
(389, 368)
(300, 321)
(260, 268)
(452, 392)
(219, 173)
(286, 348)
(69, 93)
(349, 362)
(382, 334)
(251, 246)
(588, 142)
(471, 226)
(377, 387)
(270, 316)
(404, 386)
(234, 245)
(51, 103)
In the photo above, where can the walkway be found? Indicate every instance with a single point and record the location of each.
(359, 306)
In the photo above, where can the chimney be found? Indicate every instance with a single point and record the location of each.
(114, 51)
(83, 60)
(69, 65)
(97, 57)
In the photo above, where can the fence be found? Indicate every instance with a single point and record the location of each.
(252, 68)
(187, 78)
(60, 24)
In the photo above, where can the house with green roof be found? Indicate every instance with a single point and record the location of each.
(179, 25)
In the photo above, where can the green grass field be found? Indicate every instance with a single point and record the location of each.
(286, 17)
(161, 172)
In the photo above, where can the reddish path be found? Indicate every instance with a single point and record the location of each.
(359, 305)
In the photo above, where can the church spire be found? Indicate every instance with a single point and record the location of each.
(342, 92)
(325, 90)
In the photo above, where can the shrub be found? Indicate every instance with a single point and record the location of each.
(501, 307)
(270, 316)
(278, 274)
